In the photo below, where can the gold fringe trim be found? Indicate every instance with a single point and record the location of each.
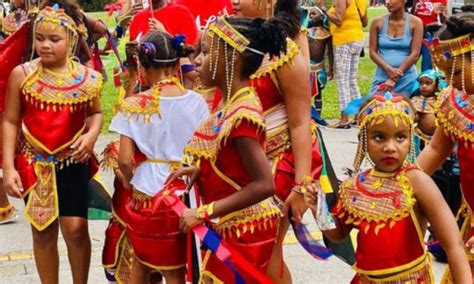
(454, 123)
(275, 64)
(254, 218)
(244, 107)
(377, 220)
(43, 97)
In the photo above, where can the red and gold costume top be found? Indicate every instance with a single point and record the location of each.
(265, 81)
(13, 21)
(455, 115)
(380, 206)
(212, 147)
(54, 110)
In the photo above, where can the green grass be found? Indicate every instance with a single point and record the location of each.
(330, 94)
(374, 13)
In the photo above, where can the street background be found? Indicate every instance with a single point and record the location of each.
(16, 257)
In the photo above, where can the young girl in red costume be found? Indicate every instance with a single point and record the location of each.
(391, 202)
(52, 120)
(234, 194)
(284, 89)
(158, 123)
(453, 51)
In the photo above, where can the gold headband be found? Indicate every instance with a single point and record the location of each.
(381, 107)
(56, 17)
(446, 49)
(375, 112)
(231, 36)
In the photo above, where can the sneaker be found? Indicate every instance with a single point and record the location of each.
(8, 214)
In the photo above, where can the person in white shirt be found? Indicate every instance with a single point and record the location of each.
(158, 123)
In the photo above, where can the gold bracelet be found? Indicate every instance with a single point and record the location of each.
(204, 212)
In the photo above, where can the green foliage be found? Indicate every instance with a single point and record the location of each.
(93, 5)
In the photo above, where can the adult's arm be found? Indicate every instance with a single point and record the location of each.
(338, 17)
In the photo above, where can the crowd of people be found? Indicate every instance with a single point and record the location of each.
(219, 150)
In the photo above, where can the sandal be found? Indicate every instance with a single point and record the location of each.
(341, 126)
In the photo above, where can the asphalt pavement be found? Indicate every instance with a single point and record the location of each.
(16, 258)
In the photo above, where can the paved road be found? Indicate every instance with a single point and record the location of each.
(17, 265)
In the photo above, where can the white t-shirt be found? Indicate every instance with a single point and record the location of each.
(161, 139)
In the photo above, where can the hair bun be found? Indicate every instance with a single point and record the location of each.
(148, 48)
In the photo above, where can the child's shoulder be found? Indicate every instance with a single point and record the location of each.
(416, 176)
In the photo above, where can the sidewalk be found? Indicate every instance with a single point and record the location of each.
(16, 257)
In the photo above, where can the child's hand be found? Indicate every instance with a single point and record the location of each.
(12, 183)
(470, 245)
(296, 203)
(188, 220)
(191, 172)
(155, 25)
(330, 74)
(310, 197)
(82, 148)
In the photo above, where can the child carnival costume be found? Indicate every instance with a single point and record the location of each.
(56, 102)
(455, 115)
(380, 205)
(250, 231)
(278, 144)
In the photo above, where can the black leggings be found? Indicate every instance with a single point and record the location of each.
(72, 184)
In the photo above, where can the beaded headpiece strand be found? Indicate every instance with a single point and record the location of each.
(222, 30)
(452, 49)
(375, 112)
(267, 4)
(55, 18)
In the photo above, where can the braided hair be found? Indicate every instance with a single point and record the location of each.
(264, 36)
(160, 50)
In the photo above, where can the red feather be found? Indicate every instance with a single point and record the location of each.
(12, 53)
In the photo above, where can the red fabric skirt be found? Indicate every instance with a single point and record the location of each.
(285, 170)
(154, 234)
(116, 229)
(113, 236)
(256, 248)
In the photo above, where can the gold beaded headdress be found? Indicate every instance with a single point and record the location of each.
(375, 112)
(55, 18)
(444, 50)
(222, 30)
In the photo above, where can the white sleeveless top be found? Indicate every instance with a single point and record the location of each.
(161, 138)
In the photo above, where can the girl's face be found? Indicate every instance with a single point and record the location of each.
(395, 5)
(388, 145)
(456, 81)
(427, 87)
(250, 8)
(203, 61)
(51, 45)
